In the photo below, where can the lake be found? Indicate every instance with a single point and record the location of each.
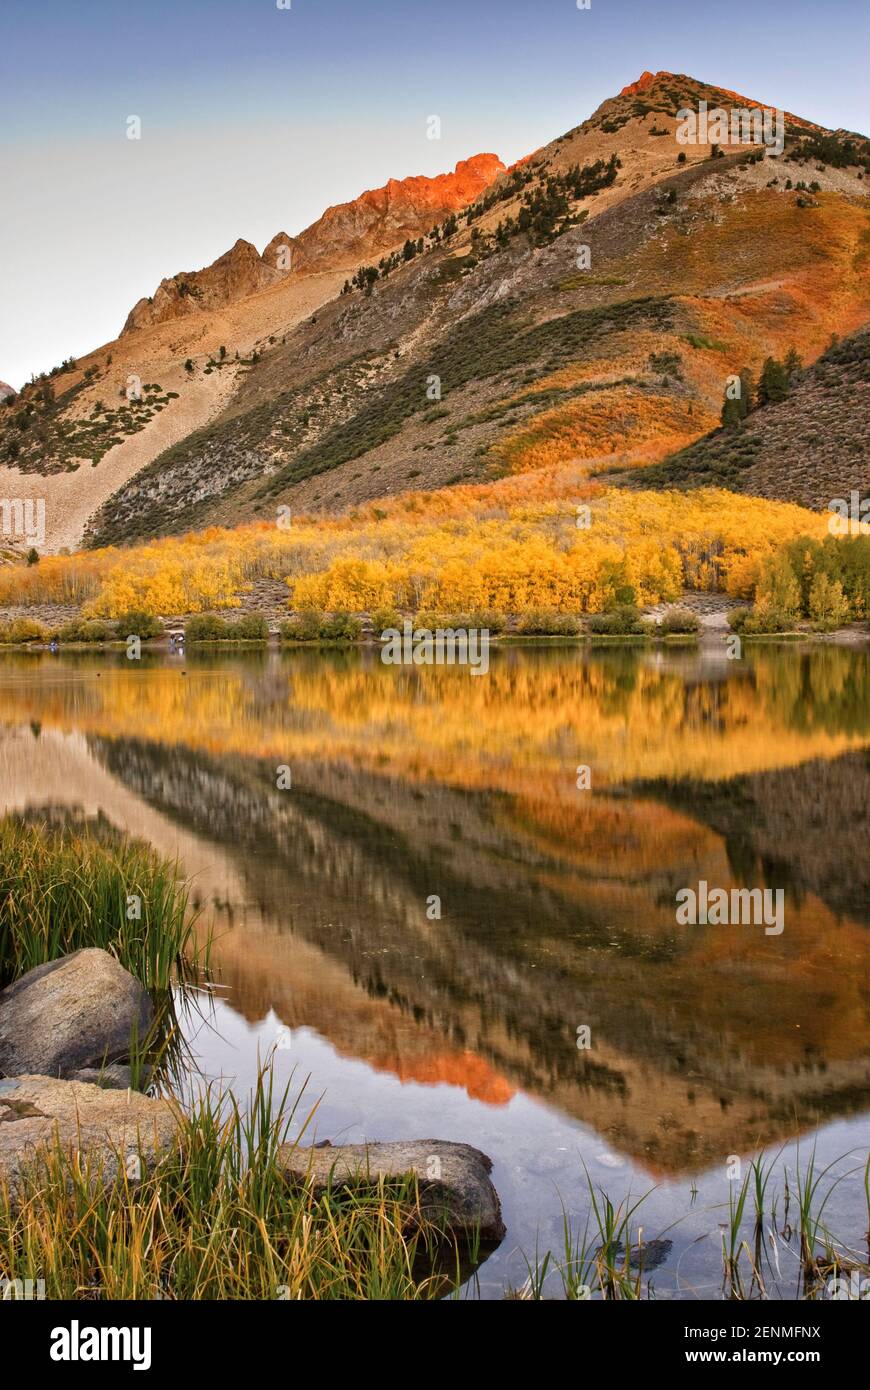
(428, 919)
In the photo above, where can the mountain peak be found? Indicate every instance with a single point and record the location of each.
(667, 93)
(643, 83)
(243, 250)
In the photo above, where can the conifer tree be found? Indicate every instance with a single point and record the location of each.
(773, 384)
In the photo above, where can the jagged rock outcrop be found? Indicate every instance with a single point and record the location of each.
(382, 217)
(239, 272)
(376, 221)
(643, 83)
(283, 253)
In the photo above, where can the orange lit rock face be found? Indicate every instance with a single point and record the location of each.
(643, 83)
(383, 217)
(369, 225)
(443, 193)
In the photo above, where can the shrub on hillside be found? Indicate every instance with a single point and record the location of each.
(82, 630)
(204, 627)
(384, 618)
(479, 618)
(738, 618)
(430, 620)
(303, 626)
(251, 627)
(341, 627)
(207, 628)
(311, 625)
(486, 619)
(22, 630)
(622, 621)
(679, 621)
(753, 622)
(540, 622)
(137, 624)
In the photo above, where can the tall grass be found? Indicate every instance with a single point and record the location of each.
(62, 889)
(217, 1219)
(817, 1245)
(602, 1262)
(801, 1262)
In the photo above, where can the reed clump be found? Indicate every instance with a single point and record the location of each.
(65, 887)
(765, 1254)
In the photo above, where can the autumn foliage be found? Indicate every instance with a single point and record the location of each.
(492, 547)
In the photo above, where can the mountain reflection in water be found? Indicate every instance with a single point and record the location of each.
(557, 905)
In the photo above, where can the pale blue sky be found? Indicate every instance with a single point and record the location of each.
(255, 119)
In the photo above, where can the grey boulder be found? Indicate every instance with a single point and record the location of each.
(113, 1129)
(454, 1184)
(78, 1012)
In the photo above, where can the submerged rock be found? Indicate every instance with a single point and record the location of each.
(78, 1012)
(647, 1256)
(111, 1078)
(455, 1187)
(112, 1128)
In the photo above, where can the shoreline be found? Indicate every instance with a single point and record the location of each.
(855, 636)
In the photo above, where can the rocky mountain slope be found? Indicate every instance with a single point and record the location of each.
(809, 448)
(581, 314)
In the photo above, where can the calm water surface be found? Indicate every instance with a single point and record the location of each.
(557, 905)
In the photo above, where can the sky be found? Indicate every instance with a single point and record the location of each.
(255, 117)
